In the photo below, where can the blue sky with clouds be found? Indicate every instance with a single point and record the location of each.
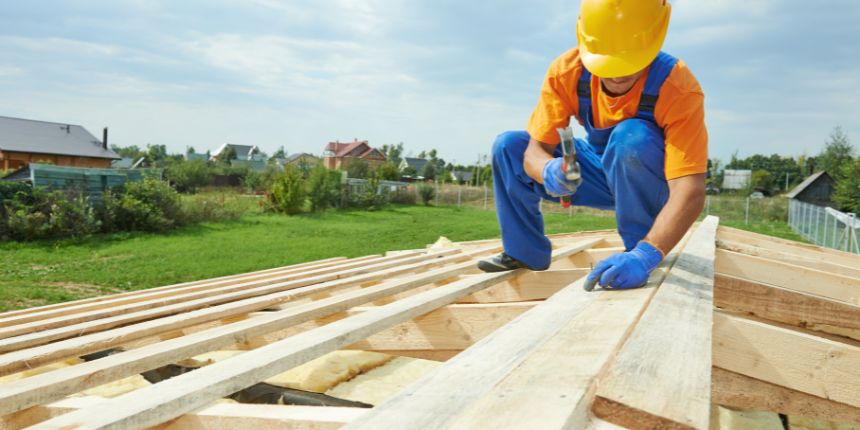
(450, 75)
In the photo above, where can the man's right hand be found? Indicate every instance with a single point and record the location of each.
(554, 180)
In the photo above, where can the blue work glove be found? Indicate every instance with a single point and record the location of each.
(628, 269)
(554, 181)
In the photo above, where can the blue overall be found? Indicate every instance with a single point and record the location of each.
(622, 169)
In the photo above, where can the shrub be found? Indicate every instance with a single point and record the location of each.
(189, 176)
(288, 192)
(402, 197)
(388, 172)
(40, 214)
(370, 198)
(323, 188)
(149, 205)
(427, 192)
(212, 208)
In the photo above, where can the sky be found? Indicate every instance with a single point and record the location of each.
(778, 75)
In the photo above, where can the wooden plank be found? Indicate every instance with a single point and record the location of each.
(56, 306)
(788, 358)
(44, 388)
(739, 391)
(45, 336)
(499, 370)
(662, 376)
(799, 248)
(589, 258)
(21, 360)
(232, 291)
(453, 327)
(529, 286)
(783, 305)
(171, 398)
(224, 416)
(789, 276)
(798, 260)
(124, 298)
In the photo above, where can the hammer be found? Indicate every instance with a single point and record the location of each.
(570, 166)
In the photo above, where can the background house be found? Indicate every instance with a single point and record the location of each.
(303, 161)
(816, 189)
(338, 155)
(736, 179)
(461, 176)
(24, 141)
(415, 163)
(249, 156)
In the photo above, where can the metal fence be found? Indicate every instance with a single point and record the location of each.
(825, 226)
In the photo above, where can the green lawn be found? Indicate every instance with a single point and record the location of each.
(40, 273)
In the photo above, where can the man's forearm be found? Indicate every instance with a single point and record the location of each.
(536, 156)
(686, 200)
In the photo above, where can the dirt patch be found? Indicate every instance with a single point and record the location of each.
(84, 290)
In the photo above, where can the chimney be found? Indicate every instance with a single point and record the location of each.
(104, 139)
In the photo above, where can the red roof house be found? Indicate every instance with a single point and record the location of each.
(338, 155)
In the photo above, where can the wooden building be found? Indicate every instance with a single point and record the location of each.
(817, 189)
(24, 141)
(339, 155)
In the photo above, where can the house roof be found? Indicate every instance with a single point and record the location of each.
(343, 149)
(54, 138)
(294, 157)
(243, 152)
(191, 156)
(415, 163)
(462, 175)
(806, 183)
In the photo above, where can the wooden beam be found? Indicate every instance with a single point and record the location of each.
(797, 259)
(453, 327)
(23, 359)
(136, 311)
(529, 286)
(263, 277)
(60, 306)
(171, 398)
(226, 416)
(789, 276)
(788, 358)
(479, 385)
(789, 246)
(662, 376)
(739, 391)
(783, 305)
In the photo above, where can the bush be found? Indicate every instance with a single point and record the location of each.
(288, 192)
(212, 208)
(323, 188)
(149, 205)
(189, 176)
(38, 214)
(388, 172)
(427, 192)
(403, 197)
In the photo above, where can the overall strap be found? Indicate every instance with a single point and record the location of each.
(583, 92)
(660, 69)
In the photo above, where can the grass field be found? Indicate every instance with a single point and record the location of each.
(38, 273)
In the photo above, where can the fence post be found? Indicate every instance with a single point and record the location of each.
(851, 219)
(747, 217)
(485, 197)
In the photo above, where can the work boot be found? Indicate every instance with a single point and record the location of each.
(502, 263)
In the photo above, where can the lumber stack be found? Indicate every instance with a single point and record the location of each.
(730, 318)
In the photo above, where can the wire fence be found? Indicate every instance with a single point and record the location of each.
(825, 226)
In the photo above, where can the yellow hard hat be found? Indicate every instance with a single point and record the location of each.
(621, 37)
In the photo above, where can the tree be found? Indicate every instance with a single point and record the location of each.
(288, 191)
(428, 171)
(393, 153)
(189, 176)
(280, 153)
(323, 187)
(132, 151)
(227, 155)
(358, 168)
(155, 153)
(388, 171)
(847, 193)
(837, 152)
(761, 179)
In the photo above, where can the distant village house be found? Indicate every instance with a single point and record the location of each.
(24, 141)
(339, 155)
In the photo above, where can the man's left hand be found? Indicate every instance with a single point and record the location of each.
(628, 269)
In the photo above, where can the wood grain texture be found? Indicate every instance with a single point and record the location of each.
(805, 250)
(783, 305)
(662, 376)
(804, 260)
(789, 276)
(739, 391)
(788, 358)
(503, 381)
(32, 357)
(48, 387)
(169, 399)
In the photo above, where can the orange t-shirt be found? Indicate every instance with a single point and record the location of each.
(680, 111)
